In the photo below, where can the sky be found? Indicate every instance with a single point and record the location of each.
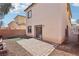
(20, 7)
(75, 12)
(18, 10)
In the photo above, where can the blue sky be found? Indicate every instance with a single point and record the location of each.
(75, 11)
(19, 10)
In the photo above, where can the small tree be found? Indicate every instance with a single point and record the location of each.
(4, 9)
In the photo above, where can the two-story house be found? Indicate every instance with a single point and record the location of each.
(48, 21)
(18, 23)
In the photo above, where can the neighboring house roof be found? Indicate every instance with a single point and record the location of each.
(20, 16)
(11, 22)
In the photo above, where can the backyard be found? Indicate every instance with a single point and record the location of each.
(17, 31)
(14, 49)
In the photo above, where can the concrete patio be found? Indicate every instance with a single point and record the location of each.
(36, 47)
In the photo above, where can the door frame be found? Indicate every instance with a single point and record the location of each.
(35, 33)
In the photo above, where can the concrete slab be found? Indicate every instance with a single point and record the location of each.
(36, 47)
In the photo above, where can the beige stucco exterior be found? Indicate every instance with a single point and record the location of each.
(20, 19)
(12, 25)
(53, 17)
(21, 22)
(18, 23)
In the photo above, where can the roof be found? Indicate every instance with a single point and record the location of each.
(20, 15)
(11, 22)
(29, 6)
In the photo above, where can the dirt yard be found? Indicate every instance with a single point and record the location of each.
(14, 49)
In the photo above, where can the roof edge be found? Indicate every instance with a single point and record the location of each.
(29, 6)
(19, 15)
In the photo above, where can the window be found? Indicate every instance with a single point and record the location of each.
(29, 14)
(29, 29)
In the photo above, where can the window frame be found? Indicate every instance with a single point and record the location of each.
(29, 29)
(29, 14)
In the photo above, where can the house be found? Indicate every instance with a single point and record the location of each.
(12, 25)
(18, 23)
(17, 27)
(48, 21)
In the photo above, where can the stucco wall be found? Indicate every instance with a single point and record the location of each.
(20, 20)
(18, 23)
(52, 17)
(12, 25)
